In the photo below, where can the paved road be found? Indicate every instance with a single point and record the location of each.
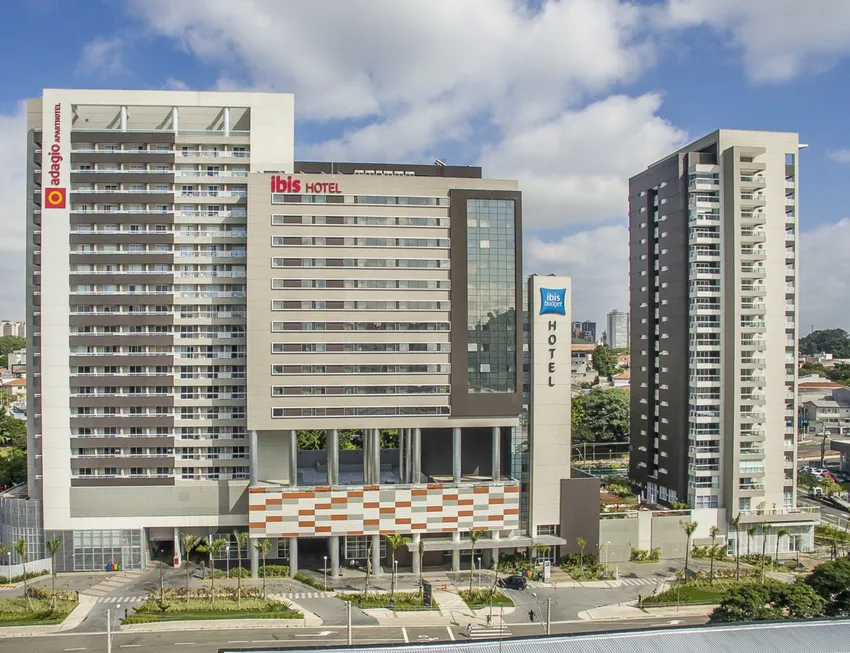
(215, 640)
(833, 516)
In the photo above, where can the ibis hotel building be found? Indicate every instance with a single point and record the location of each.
(201, 302)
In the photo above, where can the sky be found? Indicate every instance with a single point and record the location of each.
(570, 97)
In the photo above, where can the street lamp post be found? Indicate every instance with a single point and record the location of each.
(395, 575)
(325, 583)
(606, 553)
(479, 571)
(227, 553)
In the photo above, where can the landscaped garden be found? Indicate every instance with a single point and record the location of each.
(399, 601)
(481, 598)
(201, 605)
(38, 608)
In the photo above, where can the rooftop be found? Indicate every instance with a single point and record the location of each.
(790, 637)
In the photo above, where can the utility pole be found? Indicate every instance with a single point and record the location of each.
(549, 616)
(348, 615)
(108, 631)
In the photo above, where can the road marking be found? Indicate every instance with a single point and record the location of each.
(264, 641)
(451, 634)
(404, 634)
(427, 638)
(323, 633)
(130, 645)
(675, 622)
(184, 643)
(239, 641)
(75, 649)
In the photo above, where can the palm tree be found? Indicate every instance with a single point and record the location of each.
(368, 570)
(765, 529)
(581, 544)
(779, 534)
(713, 531)
(190, 543)
(21, 550)
(751, 533)
(421, 558)
(241, 543)
(263, 547)
(212, 550)
(473, 538)
(737, 524)
(395, 542)
(689, 527)
(53, 549)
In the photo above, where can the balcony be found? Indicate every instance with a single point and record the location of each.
(754, 325)
(703, 218)
(753, 219)
(752, 199)
(753, 254)
(752, 307)
(753, 236)
(753, 272)
(752, 181)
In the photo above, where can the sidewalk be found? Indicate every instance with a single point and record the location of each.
(631, 611)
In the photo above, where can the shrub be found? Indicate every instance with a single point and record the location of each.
(239, 572)
(514, 563)
(45, 594)
(481, 596)
(401, 600)
(654, 555)
(274, 571)
(622, 491)
(639, 555)
(5, 580)
(301, 578)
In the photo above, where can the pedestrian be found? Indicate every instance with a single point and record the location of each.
(531, 615)
(469, 630)
(489, 619)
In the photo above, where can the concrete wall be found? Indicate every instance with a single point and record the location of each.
(580, 513)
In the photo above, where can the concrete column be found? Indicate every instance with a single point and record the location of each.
(175, 119)
(333, 543)
(377, 455)
(414, 549)
(456, 552)
(495, 535)
(253, 454)
(456, 454)
(416, 472)
(253, 559)
(333, 457)
(497, 463)
(293, 458)
(178, 552)
(367, 447)
(376, 555)
(122, 119)
(293, 556)
(402, 458)
(227, 121)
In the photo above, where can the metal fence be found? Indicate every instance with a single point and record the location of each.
(33, 566)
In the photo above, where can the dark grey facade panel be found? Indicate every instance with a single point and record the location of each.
(463, 402)
(123, 177)
(114, 136)
(320, 167)
(118, 482)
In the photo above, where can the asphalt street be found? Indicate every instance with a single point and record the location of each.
(266, 639)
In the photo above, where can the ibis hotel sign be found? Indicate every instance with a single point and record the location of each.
(294, 185)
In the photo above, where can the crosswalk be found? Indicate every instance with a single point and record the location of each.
(489, 633)
(641, 581)
(120, 599)
(294, 596)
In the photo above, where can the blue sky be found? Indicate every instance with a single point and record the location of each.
(569, 97)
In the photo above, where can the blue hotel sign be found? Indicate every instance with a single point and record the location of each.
(553, 301)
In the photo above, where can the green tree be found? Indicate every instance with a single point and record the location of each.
(212, 549)
(604, 361)
(8, 344)
(839, 606)
(826, 341)
(605, 415)
(311, 440)
(830, 579)
(13, 467)
(765, 529)
(751, 533)
(13, 432)
(241, 543)
(474, 536)
(53, 547)
(736, 522)
(712, 552)
(421, 559)
(689, 527)
(263, 547)
(190, 543)
(21, 550)
(581, 544)
(807, 479)
(782, 532)
(769, 601)
(395, 542)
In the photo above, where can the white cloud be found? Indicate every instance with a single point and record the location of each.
(575, 168)
(779, 39)
(824, 271)
(598, 262)
(173, 84)
(102, 57)
(418, 70)
(839, 155)
(13, 217)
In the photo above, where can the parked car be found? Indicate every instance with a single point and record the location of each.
(513, 583)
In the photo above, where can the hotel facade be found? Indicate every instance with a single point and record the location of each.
(200, 301)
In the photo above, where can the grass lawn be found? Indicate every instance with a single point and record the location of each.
(480, 598)
(404, 601)
(203, 609)
(690, 592)
(16, 612)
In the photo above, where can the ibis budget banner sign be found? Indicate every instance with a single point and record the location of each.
(553, 301)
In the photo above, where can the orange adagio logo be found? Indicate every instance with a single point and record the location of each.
(54, 198)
